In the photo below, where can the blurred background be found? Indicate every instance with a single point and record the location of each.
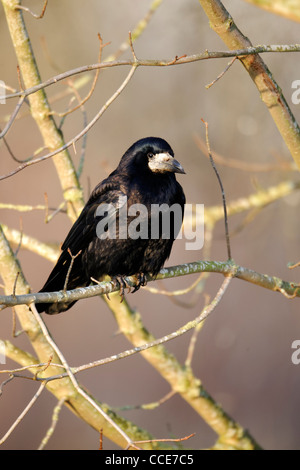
(243, 353)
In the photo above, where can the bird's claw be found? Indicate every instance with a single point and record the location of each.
(141, 282)
(123, 285)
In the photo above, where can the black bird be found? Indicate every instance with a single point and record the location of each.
(98, 244)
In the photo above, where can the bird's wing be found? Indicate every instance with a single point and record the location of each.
(105, 200)
(84, 230)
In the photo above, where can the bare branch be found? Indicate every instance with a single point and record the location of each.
(288, 8)
(138, 29)
(12, 117)
(227, 268)
(222, 73)
(75, 384)
(180, 439)
(81, 133)
(24, 412)
(80, 402)
(81, 102)
(223, 24)
(222, 191)
(45, 250)
(38, 17)
(73, 257)
(51, 430)
(281, 165)
(134, 63)
(39, 107)
(246, 51)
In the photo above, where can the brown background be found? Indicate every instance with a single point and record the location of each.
(243, 354)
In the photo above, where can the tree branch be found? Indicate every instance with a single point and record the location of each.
(186, 59)
(78, 404)
(288, 8)
(223, 24)
(227, 268)
(45, 250)
(181, 378)
(40, 109)
(134, 64)
(81, 133)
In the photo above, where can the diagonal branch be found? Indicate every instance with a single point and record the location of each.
(181, 378)
(78, 403)
(83, 132)
(247, 51)
(223, 24)
(288, 8)
(39, 106)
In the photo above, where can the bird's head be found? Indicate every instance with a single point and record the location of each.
(151, 154)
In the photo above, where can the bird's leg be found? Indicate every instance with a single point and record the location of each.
(141, 282)
(123, 284)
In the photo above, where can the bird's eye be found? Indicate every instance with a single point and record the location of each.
(150, 155)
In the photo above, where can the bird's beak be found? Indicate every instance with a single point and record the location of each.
(164, 162)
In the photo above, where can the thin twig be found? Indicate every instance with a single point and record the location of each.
(159, 63)
(24, 412)
(85, 122)
(168, 293)
(193, 340)
(44, 368)
(80, 134)
(243, 165)
(54, 422)
(72, 377)
(147, 406)
(101, 440)
(21, 238)
(178, 60)
(73, 257)
(222, 191)
(295, 265)
(81, 102)
(221, 74)
(11, 377)
(180, 439)
(42, 365)
(173, 295)
(27, 208)
(19, 78)
(15, 284)
(13, 115)
(38, 17)
(47, 251)
(206, 311)
(14, 323)
(137, 30)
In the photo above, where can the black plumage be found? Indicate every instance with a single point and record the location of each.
(144, 176)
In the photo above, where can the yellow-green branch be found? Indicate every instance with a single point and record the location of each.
(287, 8)
(223, 24)
(40, 109)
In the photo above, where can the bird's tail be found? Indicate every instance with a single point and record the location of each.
(62, 277)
